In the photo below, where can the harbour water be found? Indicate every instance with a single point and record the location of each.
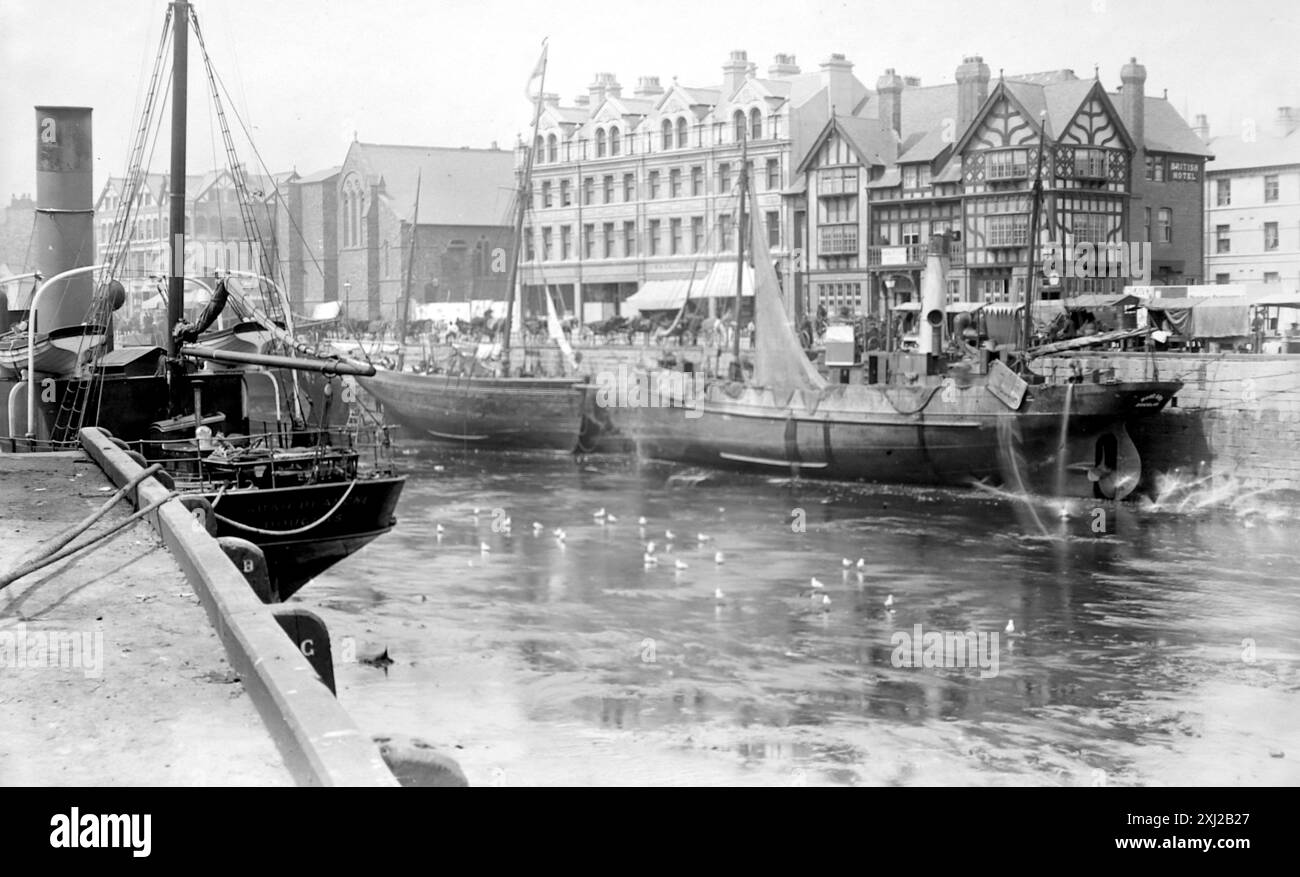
(1162, 650)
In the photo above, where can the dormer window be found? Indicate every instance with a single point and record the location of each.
(600, 143)
(682, 135)
(615, 140)
(755, 124)
(738, 124)
(537, 149)
(552, 148)
(667, 134)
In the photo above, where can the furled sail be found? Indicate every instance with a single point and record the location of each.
(779, 360)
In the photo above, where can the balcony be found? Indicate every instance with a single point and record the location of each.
(910, 255)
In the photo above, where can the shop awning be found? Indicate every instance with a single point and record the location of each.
(669, 294)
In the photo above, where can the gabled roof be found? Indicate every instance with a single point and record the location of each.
(1167, 131)
(458, 186)
(872, 143)
(320, 176)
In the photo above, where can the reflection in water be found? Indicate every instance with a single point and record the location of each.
(1162, 651)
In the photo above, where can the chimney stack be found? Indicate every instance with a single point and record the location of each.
(890, 90)
(783, 67)
(648, 87)
(837, 76)
(1132, 106)
(972, 89)
(550, 99)
(1202, 128)
(603, 86)
(1287, 120)
(733, 73)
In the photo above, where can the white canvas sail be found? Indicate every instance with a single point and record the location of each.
(556, 331)
(779, 360)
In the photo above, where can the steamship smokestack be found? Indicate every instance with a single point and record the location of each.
(934, 292)
(64, 233)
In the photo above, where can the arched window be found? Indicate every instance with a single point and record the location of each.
(667, 128)
(537, 149)
(755, 124)
(600, 143)
(682, 133)
(615, 140)
(738, 122)
(552, 148)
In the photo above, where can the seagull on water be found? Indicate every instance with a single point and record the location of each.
(484, 547)
(718, 595)
(537, 527)
(1011, 627)
(718, 558)
(668, 534)
(438, 529)
(889, 602)
(862, 564)
(650, 547)
(559, 535)
(847, 563)
(611, 519)
(816, 584)
(650, 560)
(680, 564)
(599, 513)
(641, 521)
(703, 537)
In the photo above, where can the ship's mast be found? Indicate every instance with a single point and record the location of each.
(176, 247)
(410, 274)
(525, 190)
(737, 373)
(1035, 213)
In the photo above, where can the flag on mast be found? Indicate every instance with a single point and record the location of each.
(539, 75)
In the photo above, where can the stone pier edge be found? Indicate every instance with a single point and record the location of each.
(319, 741)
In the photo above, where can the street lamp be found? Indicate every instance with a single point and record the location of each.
(890, 282)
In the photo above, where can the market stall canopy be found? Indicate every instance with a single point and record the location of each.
(326, 310)
(671, 293)
(1093, 301)
(1208, 317)
(1286, 298)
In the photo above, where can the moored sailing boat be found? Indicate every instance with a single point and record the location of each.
(907, 423)
(480, 399)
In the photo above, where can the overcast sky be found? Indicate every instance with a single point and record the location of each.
(308, 73)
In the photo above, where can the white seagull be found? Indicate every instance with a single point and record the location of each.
(703, 537)
(1011, 627)
(889, 602)
(817, 585)
(681, 564)
(484, 547)
(668, 534)
(862, 564)
(847, 563)
(641, 521)
(718, 558)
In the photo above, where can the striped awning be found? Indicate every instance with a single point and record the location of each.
(669, 294)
